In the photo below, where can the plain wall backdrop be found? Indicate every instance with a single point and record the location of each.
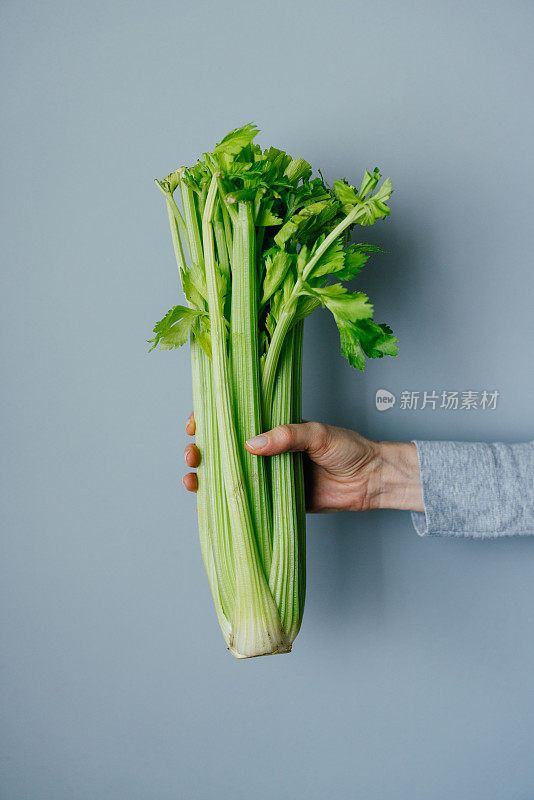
(412, 678)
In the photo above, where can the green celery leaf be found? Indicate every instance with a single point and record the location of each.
(350, 344)
(345, 193)
(278, 162)
(312, 219)
(368, 248)
(266, 217)
(194, 286)
(369, 182)
(279, 300)
(320, 218)
(359, 335)
(289, 229)
(355, 260)
(376, 340)
(288, 285)
(365, 336)
(343, 304)
(170, 183)
(302, 258)
(196, 176)
(347, 308)
(306, 305)
(172, 331)
(202, 336)
(375, 206)
(309, 192)
(276, 267)
(235, 141)
(313, 209)
(298, 168)
(270, 323)
(263, 342)
(356, 257)
(332, 261)
(384, 193)
(241, 195)
(222, 282)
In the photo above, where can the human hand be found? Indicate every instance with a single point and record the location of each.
(343, 470)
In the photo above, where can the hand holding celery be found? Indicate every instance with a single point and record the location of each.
(267, 245)
(344, 471)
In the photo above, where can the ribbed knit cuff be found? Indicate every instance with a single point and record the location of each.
(475, 489)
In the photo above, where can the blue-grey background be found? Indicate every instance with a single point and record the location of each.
(412, 678)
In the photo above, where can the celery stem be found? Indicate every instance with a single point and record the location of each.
(351, 217)
(271, 362)
(284, 579)
(257, 629)
(176, 240)
(300, 498)
(213, 521)
(244, 352)
(175, 212)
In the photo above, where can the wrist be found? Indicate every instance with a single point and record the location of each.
(396, 480)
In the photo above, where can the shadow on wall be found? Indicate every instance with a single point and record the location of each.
(344, 549)
(345, 561)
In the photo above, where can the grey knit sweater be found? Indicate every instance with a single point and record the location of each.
(476, 489)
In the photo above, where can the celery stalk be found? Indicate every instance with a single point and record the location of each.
(244, 354)
(300, 499)
(213, 521)
(256, 627)
(286, 563)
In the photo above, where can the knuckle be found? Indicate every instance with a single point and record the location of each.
(284, 435)
(319, 436)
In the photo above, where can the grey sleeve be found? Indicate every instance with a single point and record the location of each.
(476, 489)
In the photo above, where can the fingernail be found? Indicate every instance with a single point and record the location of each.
(257, 442)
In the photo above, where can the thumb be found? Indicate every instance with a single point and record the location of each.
(309, 437)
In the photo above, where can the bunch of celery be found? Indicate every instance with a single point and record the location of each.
(267, 246)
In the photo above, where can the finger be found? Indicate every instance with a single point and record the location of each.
(192, 455)
(309, 437)
(190, 425)
(190, 481)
